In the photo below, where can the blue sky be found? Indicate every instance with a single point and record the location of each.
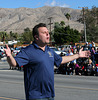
(40, 3)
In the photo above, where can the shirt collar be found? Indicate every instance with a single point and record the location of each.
(34, 43)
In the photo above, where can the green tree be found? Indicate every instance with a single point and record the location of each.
(56, 25)
(62, 23)
(13, 36)
(91, 19)
(64, 35)
(3, 36)
(68, 17)
(27, 36)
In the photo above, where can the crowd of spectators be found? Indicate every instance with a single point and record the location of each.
(81, 66)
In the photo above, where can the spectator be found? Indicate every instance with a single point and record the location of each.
(70, 64)
(93, 55)
(78, 48)
(77, 70)
(74, 50)
(93, 44)
(90, 68)
(86, 46)
(68, 69)
(97, 50)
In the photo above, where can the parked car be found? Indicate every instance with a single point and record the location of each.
(59, 52)
(17, 50)
(1, 54)
(2, 48)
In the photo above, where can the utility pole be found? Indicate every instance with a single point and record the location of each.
(50, 29)
(83, 9)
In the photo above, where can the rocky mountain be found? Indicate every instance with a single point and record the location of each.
(18, 19)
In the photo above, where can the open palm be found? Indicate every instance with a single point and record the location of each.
(84, 53)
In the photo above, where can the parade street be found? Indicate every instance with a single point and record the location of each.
(67, 87)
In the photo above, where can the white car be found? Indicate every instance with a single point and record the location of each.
(2, 48)
(57, 51)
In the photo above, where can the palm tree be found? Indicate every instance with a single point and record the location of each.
(3, 36)
(68, 17)
(62, 23)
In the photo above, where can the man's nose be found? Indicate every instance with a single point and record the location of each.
(47, 33)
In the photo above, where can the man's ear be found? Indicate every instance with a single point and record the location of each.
(36, 37)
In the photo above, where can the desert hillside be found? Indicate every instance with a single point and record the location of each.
(18, 19)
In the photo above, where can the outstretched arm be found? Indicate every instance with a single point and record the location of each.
(81, 54)
(10, 58)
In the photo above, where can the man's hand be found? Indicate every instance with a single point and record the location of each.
(10, 58)
(7, 51)
(84, 53)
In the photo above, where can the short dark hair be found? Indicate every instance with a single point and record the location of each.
(35, 29)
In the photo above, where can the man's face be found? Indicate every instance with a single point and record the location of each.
(44, 35)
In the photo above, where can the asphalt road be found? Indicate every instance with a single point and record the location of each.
(70, 87)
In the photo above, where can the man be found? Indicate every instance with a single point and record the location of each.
(70, 65)
(38, 61)
(93, 55)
